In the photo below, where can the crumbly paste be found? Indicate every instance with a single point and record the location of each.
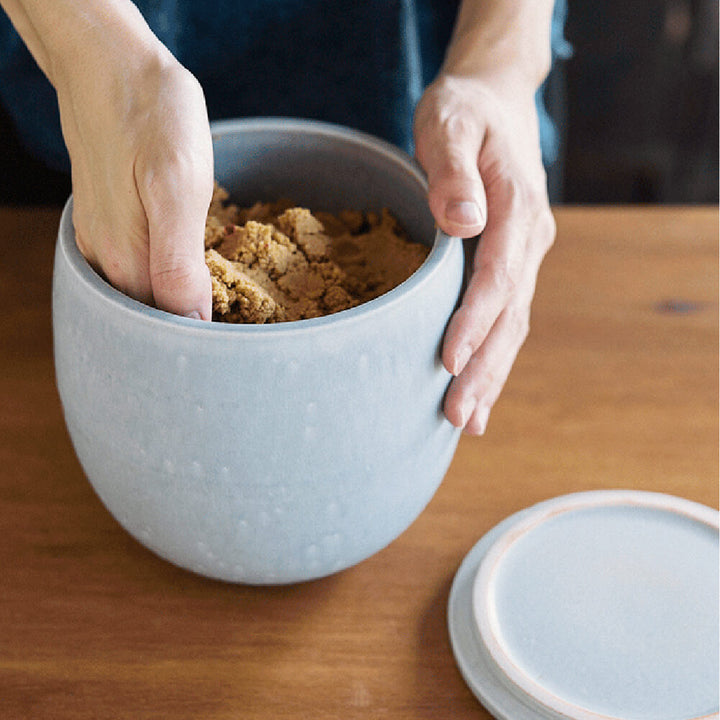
(275, 262)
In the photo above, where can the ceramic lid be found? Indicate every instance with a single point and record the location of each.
(593, 606)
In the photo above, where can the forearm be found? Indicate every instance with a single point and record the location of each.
(503, 40)
(66, 35)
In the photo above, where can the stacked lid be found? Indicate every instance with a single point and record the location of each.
(593, 606)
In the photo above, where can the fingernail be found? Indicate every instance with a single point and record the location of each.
(461, 359)
(466, 410)
(195, 315)
(464, 213)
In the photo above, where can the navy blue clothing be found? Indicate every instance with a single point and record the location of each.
(360, 64)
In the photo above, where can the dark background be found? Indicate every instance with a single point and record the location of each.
(637, 102)
(642, 102)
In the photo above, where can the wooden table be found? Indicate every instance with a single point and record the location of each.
(617, 387)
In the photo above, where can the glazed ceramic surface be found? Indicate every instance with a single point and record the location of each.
(278, 453)
(593, 606)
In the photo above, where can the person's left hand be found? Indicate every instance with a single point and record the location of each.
(477, 140)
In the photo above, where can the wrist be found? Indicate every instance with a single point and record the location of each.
(505, 43)
(105, 48)
(513, 72)
(71, 37)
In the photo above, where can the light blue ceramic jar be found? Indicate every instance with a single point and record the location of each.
(267, 453)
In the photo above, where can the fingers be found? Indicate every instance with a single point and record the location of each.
(475, 390)
(480, 380)
(126, 271)
(498, 264)
(112, 235)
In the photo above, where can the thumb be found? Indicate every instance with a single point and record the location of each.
(448, 150)
(179, 277)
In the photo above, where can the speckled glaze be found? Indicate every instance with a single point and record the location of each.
(276, 453)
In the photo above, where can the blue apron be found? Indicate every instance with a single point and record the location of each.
(361, 64)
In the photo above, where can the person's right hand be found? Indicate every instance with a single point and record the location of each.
(136, 127)
(477, 139)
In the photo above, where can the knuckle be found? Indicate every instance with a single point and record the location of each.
(504, 273)
(171, 272)
(456, 123)
(174, 190)
(533, 210)
(131, 280)
(447, 137)
(534, 198)
(525, 199)
(190, 82)
(177, 167)
(515, 328)
(472, 321)
(175, 274)
(515, 194)
(455, 166)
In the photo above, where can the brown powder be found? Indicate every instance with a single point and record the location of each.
(274, 262)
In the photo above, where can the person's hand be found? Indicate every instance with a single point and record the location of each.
(138, 136)
(477, 140)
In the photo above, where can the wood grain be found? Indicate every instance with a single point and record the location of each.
(617, 386)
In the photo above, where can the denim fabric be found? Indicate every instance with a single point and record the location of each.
(361, 64)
